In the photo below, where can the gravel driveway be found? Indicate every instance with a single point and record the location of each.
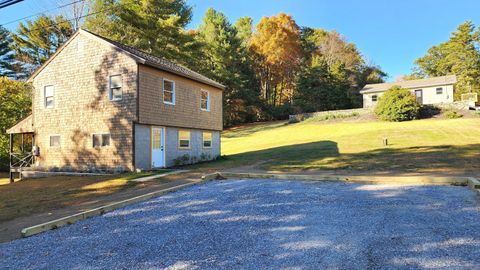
(267, 224)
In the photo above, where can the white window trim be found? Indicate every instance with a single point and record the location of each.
(50, 141)
(110, 92)
(211, 140)
(189, 140)
(376, 98)
(439, 88)
(45, 97)
(208, 100)
(173, 92)
(102, 133)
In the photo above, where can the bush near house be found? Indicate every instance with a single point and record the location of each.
(397, 105)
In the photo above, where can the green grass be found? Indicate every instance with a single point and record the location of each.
(449, 146)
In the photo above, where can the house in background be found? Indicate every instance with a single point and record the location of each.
(99, 104)
(427, 91)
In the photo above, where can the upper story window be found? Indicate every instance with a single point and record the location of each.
(101, 140)
(374, 98)
(439, 91)
(205, 101)
(168, 92)
(49, 94)
(115, 91)
(207, 139)
(184, 139)
(54, 141)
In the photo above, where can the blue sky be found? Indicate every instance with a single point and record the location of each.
(389, 33)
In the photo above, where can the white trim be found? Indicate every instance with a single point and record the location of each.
(203, 140)
(45, 96)
(208, 100)
(59, 141)
(110, 92)
(163, 92)
(189, 139)
(162, 144)
(101, 142)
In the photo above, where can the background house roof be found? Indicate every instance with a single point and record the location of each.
(380, 87)
(162, 63)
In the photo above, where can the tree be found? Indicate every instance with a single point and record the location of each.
(154, 26)
(7, 58)
(35, 41)
(15, 97)
(319, 89)
(341, 58)
(397, 105)
(244, 27)
(225, 60)
(277, 54)
(460, 55)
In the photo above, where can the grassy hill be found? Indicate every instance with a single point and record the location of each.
(443, 146)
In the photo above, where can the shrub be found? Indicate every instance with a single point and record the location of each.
(453, 115)
(397, 104)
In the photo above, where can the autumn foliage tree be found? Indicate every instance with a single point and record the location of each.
(277, 54)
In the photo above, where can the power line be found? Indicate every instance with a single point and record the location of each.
(6, 3)
(40, 13)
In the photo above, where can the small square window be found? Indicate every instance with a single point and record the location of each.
(205, 101)
(101, 140)
(55, 141)
(115, 92)
(207, 139)
(374, 98)
(183, 139)
(168, 92)
(49, 94)
(439, 91)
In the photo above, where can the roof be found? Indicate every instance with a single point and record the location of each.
(24, 126)
(429, 82)
(162, 63)
(143, 58)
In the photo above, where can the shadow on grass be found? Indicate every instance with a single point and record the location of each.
(325, 155)
(250, 129)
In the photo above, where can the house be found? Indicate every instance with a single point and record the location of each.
(427, 91)
(99, 104)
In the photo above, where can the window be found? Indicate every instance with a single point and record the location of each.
(207, 139)
(49, 92)
(168, 92)
(439, 91)
(183, 139)
(374, 98)
(55, 141)
(101, 140)
(205, 101)
(115, 92)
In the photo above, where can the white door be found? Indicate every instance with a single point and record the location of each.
(158, 149)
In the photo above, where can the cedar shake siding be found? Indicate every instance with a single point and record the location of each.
(79, 75)
(72, 102)
(186, 112)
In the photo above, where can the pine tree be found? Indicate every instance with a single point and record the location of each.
(459, 55)
(225, 60)
(35, 41)
(7, 57)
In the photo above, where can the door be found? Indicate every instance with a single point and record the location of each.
(419, 96)
(158, 149)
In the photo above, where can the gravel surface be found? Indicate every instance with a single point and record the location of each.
(267, 224)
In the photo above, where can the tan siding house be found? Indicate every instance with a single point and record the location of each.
(101, 105)
(427, 91)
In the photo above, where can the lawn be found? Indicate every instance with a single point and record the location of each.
(31, 196)
(441, 146)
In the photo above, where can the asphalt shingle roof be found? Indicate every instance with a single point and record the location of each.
(162, 63)
(380, 87)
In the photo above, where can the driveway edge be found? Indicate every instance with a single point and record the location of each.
(54, 224)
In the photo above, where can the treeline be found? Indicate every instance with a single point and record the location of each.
(270, 70)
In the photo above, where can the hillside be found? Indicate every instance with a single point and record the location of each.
(443, 146)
